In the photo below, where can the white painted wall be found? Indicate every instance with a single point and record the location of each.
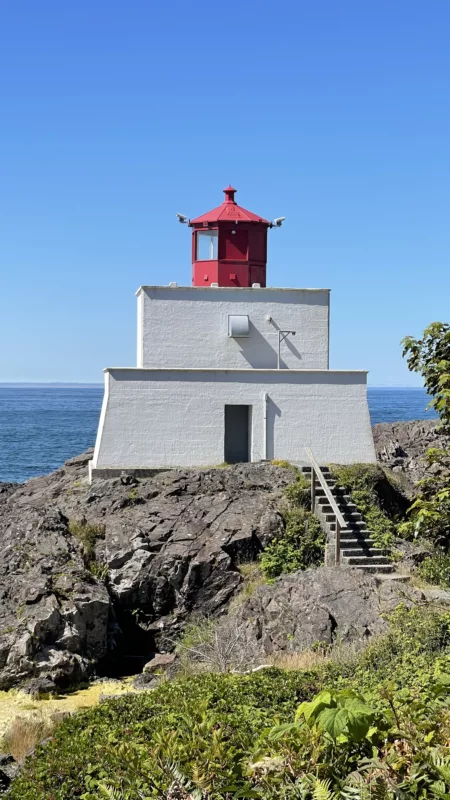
(187, 327)
(159, 418)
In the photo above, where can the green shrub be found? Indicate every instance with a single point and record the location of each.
(435, 569)
(207, 726)
(298, 493)
(88, 535)
(372, 494)
(300, 546)
(380, 729)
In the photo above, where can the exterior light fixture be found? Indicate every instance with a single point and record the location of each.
(282, 335)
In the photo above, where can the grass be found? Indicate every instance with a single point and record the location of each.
(24, 722)
(88, 535)
(341, 655)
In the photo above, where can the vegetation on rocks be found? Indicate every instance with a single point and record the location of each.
(376, 727)
(435, 570)
(88, 535)
(430, 512)
(375, 497)
(302, 543)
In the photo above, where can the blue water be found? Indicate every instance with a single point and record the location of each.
(40, 428)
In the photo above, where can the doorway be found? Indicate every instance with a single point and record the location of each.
(237, 434)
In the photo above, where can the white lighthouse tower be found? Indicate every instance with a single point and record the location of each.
(229, 370)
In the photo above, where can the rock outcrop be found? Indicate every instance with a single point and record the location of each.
(402, 447)
(316, 606)
(93, 574)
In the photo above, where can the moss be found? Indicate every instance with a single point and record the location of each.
(376, 496)
(88, 535)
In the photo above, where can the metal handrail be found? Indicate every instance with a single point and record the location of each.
(340, 521)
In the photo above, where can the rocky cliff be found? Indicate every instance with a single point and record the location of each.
(93, 576)
(402, 446)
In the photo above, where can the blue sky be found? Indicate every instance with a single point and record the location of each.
(115, 115)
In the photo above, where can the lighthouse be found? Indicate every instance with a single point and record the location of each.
(229, 245)
(229, 369)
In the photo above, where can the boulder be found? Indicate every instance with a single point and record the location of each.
(318, 606)
(8, 771)
(402, 447)
(91, 574)
(159, 662)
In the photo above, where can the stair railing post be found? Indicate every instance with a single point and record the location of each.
(313, 489)
(338, 543)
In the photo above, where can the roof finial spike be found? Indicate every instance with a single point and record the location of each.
(229, 194)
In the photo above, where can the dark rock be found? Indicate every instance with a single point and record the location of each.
(160, 661)
(170, 551)
(39, 686)
(317, 606)
(146, 680)
(412, 553)
(8, 771)
(402, 446)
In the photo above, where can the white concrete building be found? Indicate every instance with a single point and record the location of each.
(221, 376)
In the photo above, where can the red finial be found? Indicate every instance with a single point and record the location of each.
(229, 194)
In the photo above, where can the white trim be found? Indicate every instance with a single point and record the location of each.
(167, 370)
(145, 288)
(102, 420)
(140, 331)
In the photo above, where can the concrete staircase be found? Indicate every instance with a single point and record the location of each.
(357, 547)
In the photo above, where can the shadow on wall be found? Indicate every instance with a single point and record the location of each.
(267, 356)
(273, 411)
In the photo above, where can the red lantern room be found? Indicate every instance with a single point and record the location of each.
(229, 246)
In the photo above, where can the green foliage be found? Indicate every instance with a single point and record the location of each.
(88, 535)
(379, 729)
(343, 716)
(430, 512)
(435, 569)
(299, 546)
(207, 726)
(281, 462)
(298, 493)
(302, 543)
(430, 356)
(366, 483)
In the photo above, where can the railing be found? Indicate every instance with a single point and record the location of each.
(317, 475)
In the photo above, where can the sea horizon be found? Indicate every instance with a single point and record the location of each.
(43, 424)
(99, 384)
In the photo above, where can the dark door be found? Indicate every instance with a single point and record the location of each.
(237, 439)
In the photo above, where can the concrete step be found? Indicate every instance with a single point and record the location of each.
(354, 527)
(364, 560)
(362, 552)
(351, 542)
(325, 508)
(361, 544)
(377, 570)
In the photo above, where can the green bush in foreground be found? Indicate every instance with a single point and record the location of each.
(380, 729)
(435, 569)
(300, 546)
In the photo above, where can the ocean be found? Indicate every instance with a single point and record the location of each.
(41, 427)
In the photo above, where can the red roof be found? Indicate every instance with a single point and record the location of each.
(229, 210)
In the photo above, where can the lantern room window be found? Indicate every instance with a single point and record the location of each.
(207, 245)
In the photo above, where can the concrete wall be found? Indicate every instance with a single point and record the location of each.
(158, 418)
(187, 327)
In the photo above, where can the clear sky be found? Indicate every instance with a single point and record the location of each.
(115, 115)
